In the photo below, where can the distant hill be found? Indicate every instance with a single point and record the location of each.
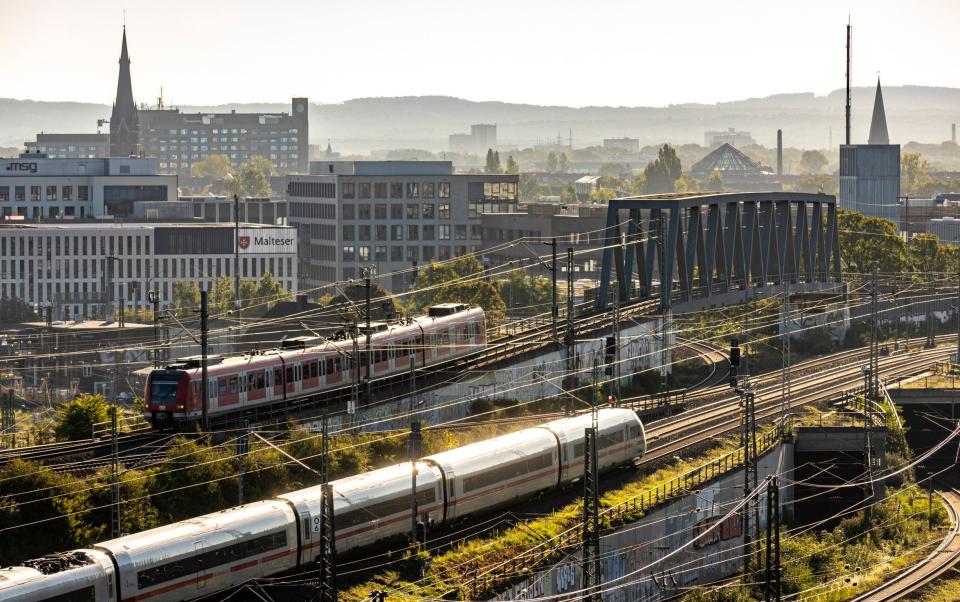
(915, 113)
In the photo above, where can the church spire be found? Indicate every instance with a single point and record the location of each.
(124, 120)
(878, 125)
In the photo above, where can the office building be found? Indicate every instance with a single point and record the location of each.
(730, 136)
(179, 139)
(70, 146)
(83, 269)
(947, 229)
(254, 210)
(393, 215)
(577, 226)
(35, 187)
(482, 137)
(870, 173)
(622, 145)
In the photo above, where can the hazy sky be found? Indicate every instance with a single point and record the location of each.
(596, 52)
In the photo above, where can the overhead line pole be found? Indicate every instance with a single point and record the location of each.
(570, 333)
(204, 386)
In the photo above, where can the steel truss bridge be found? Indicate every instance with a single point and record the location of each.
(716, 248)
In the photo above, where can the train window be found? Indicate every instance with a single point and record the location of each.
(86, 594)
(277, 377)
(634, 431)
(162, 391)
(290, 375)
(578, 450)
(508, 471)
(611, 439)
(261, 380)
(222, 387)
(329, 367)
(233, 385)
(211, 559)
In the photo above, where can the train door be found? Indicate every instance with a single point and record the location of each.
(278, 382)
(201, 570)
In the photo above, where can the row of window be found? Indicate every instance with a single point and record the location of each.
(185, 131)
(378, 190)
(506, 472)
(397, 211)
(66, 193)
(385, 509)
(364, 253)
(413, 232)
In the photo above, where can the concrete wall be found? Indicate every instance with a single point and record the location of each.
(630, 570)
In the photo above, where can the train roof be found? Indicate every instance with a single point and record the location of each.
(606, 417)
(384, 481)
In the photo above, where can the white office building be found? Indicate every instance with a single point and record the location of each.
(80, 269)
(35, 187)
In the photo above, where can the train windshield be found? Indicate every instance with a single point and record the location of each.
(163, 390)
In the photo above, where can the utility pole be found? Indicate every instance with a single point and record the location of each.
(417, 530)
(114, 474)
(236, 256)
(154, 298)
(748, 443)
(204, 385)
(570, 336)
(355, 359)
(958, 315)
(554, 310)
(773, 590)
(874, 338)
(325, 527)
(9, 423)
(590, 565)
(243, 446)
(615, 373)
(665, 302)
(369, 354)
(785, 353)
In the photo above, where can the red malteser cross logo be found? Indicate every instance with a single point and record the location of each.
(244, 242)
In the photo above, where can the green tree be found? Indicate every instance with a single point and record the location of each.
(564, 163)
(686, 184)
(714, 182)
(253, 178)
(269, 290)
(458, 281)
(864, 240)
(620, 171)
(812, 162)
(915, 179)
(186, 297)
(926, 254)
(214, 166)
(512, 167)
(553, 164)
(200, 485)
(661, 173)
(14, 310)
(221, 296)
(568, 194)
(248, 293)
(526, 295)
(77, 417)
(603, 195)
(493, 162)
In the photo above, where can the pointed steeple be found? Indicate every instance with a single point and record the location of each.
(124, 120)
(878, 125)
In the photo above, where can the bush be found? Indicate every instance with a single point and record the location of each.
(78, 416)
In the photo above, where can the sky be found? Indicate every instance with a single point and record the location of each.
(555, 52)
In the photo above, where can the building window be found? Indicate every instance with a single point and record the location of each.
(364, 232)
(396, 211)
(413, 211)
(364, 210)
(444, 190)
(380, 190)
(476, 232)
(429, 190)
(428, 211)
(364, 190)
(413, 254)
(51, 193)
(34, 193)
(413, 190)
(381, 232)
(20, 193)
(396, 190)
(396, 232)
(413, 232)
(348, 190)
(83, 193)
(4, 194)
(380, 211)
(429, 232)
(444, 231)
(379, 253)
(396, 253)
(444, 211)
(364, 254)
(347, 232)
(428, 254)
(348, 211)
(348, 253)
(460, 232)
(460, 250)
(68, 193)
(444, 253)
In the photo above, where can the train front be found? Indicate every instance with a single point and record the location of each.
(166, 398)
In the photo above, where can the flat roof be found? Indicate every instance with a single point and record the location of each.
(86, 325)
(133, 225)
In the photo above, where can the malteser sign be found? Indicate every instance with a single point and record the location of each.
(267, 240)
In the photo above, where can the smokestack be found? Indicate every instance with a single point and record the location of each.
(953, 133)
(849, 59)
(779, 152)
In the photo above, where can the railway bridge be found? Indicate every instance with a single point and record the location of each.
(714, 249)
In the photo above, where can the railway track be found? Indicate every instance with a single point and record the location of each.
(939, 561)
(89, 453)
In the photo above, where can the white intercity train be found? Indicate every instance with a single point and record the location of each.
(196, 557)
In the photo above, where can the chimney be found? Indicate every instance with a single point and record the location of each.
(779, 153)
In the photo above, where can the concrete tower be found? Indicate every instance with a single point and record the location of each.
(124, 120)
(878, 125)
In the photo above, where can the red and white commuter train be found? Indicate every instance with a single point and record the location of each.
(253, 381)
(203, 555)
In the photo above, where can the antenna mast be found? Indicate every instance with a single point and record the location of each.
(849, 59)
